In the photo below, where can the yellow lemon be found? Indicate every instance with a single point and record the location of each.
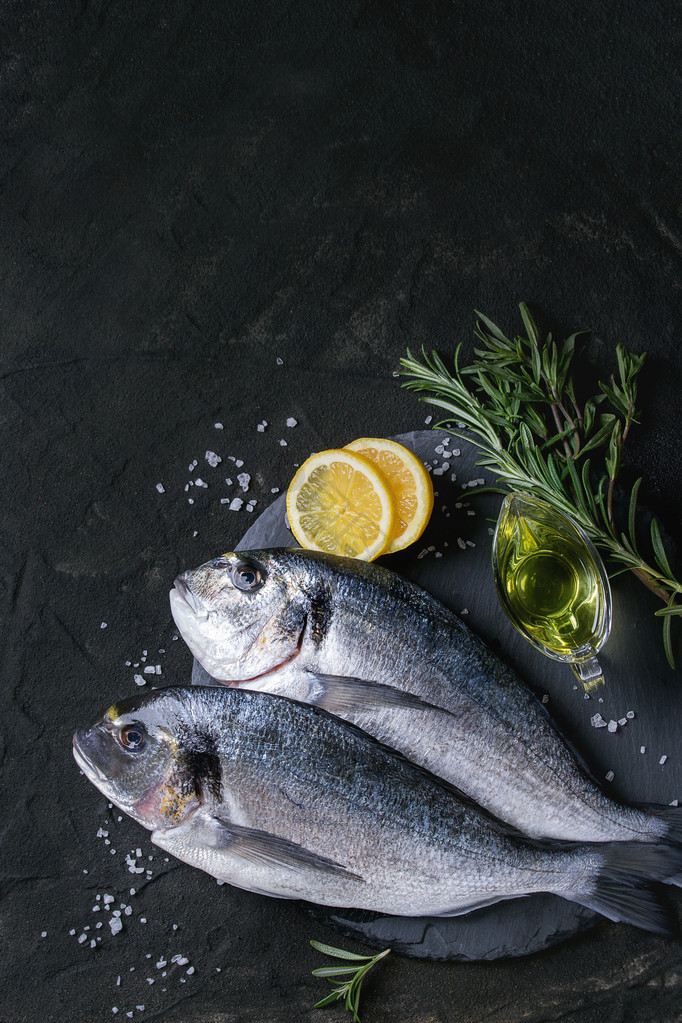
(409, 483)
(339, 503)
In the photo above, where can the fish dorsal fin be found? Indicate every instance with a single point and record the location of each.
(259, 847)
(339, 694)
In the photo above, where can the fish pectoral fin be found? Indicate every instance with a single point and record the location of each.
(262, 848)
(346, 694)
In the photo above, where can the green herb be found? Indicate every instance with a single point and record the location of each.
(518, 402)
(350, 988)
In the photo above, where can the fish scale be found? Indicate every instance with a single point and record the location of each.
(479, 727)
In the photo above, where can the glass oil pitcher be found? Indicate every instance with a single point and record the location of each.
(552, 584)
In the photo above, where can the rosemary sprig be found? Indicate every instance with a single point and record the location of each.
(518, 403)
(350, 988)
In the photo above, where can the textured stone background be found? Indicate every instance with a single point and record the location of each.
(190, 193)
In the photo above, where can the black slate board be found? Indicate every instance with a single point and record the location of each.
(452, 560)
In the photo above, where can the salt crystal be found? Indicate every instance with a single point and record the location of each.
(229, 482)
(103, 625)
(545, 698)
(471, 513)
(438, 472)
(439, 449)
(597, 721)
(200, 483)
(458, 504)
(609, 776)
(143, 919)
(613, 725)
(160, 487)
(150, 670)
(212, 458)
(195, 533)
(161, 963)
(108, 899)
(274, 490)
(243, 479)
(438, 554)
(239, 462)
(622, 721)
(72, 932)
(186, 487)
(118, 981)
(218, 426)
(456, 452)
(460, 543)
(116, 924)
(470, 543)
(101, 833)
(280, 362)
(663, 759)
(158, 669)
(630, 715)
(642, 749)
(224, 500)
(260, 428)
(190, 971)
(236, 503)
(190, 500)
(139, 680)
(428, 420)
(182, 960)
(283, 443)
(291, 421)
(422, 554)
(128, 910)
(464, 611)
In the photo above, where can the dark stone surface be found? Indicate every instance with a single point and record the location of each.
(190, 192)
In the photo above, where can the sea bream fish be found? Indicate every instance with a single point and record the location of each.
(283, 799)
(372, 648)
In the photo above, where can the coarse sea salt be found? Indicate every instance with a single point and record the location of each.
(236, 503)
(160, 487)
(212, 458)
(292, 422)
(609, 776)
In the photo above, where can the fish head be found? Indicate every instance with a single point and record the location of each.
(136, 755)
(241, 614)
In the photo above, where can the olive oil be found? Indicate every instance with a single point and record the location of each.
(551, 583)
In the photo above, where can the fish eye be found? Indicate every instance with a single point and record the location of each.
(132, 737)
(247, 576)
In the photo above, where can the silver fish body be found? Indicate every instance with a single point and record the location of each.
(375, 650)
(279, 798)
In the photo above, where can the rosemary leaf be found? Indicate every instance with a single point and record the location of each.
(517, 402)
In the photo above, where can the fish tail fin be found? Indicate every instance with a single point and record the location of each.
(671, 817)
(622, 890)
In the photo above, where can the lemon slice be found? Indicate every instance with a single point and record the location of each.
(339, 503)
(409, 483)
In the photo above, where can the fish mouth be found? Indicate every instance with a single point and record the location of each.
(182, 594)
(90, 770)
